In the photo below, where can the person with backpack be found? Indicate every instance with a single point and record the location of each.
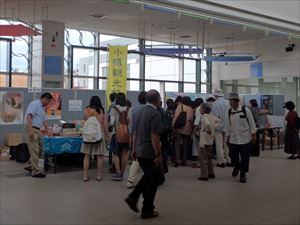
(183, 123)
(120, 138)
(240, 131)
(95, 136)
(207, 135)
(291, 137)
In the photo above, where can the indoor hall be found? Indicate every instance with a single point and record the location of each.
(75, 60)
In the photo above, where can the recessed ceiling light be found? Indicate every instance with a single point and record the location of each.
(185, 36)
(97, 15)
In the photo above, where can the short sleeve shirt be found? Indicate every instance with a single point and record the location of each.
(38, 113)
(148, 122)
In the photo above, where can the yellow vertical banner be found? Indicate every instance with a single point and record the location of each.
(117, 71)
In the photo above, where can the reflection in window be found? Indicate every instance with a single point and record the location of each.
(102, 84)
(83, 61)
(162, 68)
(83, 83)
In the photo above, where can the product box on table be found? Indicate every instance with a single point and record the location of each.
(14, 139)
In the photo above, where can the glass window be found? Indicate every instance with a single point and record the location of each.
(133, 85)
(171, 87)
(3, 79)
(83, 62)
(203, 76)
(106, 40)
(162, 68)
(189, 88)
(103, 67)
(203, 88)
(72, 37)
(189, 70)
(83, 83)
(19, 81)
(133, 66)
(4, 56)
(203, 65)
(102, 84)
(20, 48)
(152, 85)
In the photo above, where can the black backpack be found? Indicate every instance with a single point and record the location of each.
(22, 153)
(181, 119)
(243, 111)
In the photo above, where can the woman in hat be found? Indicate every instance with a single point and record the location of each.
(291, 138)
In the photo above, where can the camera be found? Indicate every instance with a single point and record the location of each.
(290, 48)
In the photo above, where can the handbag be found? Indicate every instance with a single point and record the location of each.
(181, 119)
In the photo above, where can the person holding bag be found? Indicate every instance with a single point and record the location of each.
(209, 123)
(95, 109)
(183, 125)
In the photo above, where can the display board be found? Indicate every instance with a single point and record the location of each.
(67, 113)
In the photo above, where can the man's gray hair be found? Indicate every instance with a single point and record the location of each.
(152, 96)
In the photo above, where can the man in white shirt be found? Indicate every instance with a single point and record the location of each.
(220, 109)
(240, 132)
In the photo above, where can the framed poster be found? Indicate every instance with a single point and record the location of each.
(11, 108)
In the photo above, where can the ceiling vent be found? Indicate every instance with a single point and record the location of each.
(97, 15)
(185, 36)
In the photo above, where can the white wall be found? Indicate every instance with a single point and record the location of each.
(276, 61)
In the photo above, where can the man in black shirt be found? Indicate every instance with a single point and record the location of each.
(148, 154)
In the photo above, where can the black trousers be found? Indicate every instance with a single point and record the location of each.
(240, 157)
(255, 151)
(147, 185)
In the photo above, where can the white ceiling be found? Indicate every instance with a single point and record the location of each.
(124, 19)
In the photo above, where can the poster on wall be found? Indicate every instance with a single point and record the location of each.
(54, 108)
(266, 102)
(11, 108)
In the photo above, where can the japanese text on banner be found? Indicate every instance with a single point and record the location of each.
(117, 70)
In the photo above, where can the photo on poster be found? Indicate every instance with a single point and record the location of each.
(11, 107)
(54, 108)
(267, 104)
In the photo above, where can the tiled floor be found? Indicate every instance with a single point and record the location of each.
(271, 196)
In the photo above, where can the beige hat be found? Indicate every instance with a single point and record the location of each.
(218, 92)
(233, 95)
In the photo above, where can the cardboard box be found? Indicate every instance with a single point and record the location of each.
(4, 153)
(14, 139)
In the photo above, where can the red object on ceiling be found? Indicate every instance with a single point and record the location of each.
(16, 30)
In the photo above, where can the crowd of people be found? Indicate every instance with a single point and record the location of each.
(156, 137)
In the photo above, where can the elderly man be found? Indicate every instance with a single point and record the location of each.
(35, 120)
(240, 132)
(133, 112)
(219, 109)
(148, 153)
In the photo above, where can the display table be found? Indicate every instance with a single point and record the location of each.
(272, 132)
(56, 145)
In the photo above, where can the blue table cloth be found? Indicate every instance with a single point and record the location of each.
(60, 145)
